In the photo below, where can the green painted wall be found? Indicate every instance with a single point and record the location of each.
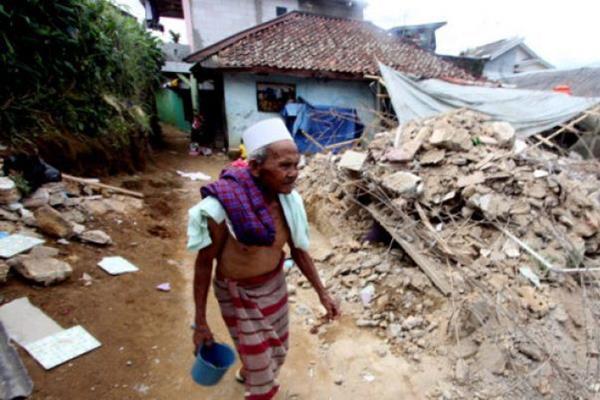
(170, 109)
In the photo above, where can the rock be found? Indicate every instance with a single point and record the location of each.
(75, 216)
(8, 216)
(95, 205)
(78, 229)
(471, 316)
(404, 183)
(394, 330)
(339, 380)
(366, 323)
(451, 138)
(533, 301)
(382, 301)
(52, 222)
(461, 372)
(530, 351)
(560, 315)
(492, 358)
(86, 279)
(4, 268)
(469, 180)
(352, 160)
(381, 351)
(503, 132)
(434, 156)
(57, 199)
(43, 270)
(493, 205)
(511, 249)
(383, 268)
(412, 322)
(44, 252)
(27, 217)
(466, 349)
(341, 270)
(291, 289)
(8, 191)
(39, 198)
(96, 237)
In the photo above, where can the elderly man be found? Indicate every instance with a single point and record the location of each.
(243, 222)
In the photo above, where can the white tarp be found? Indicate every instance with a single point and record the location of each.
(529, 111)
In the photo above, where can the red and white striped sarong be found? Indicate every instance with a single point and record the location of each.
(256, 313)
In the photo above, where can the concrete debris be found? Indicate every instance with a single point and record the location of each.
(52, 223)
(352, 160)
(58, 210)
(8, 191)
(44, 252)
(42, 270)
(96, 237)
(445, 189)
(503, 132)
(403, 183)
(39, 198)
(461, 372)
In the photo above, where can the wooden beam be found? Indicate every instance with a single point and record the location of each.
(344, 143)
(313, 141)
(102, 186)
(431, 268)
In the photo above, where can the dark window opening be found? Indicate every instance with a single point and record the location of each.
(280, 10)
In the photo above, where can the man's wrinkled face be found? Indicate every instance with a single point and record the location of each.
(278, 173)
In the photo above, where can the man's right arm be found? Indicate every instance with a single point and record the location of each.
(202, 277)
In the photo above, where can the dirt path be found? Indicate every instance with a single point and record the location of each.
(147, 351)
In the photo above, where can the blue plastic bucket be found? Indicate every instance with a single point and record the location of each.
(211, 364)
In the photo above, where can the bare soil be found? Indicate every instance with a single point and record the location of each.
(146, 348)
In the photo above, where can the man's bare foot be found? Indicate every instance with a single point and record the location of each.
(240, 375)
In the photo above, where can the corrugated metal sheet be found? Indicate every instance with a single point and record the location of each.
(14, 379)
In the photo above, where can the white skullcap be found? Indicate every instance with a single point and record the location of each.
(264, 133)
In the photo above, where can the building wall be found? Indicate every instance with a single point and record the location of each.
(269, 7)
(509, 63)
(242, 111)
(332, 8)
(215, 20)
(501, 66)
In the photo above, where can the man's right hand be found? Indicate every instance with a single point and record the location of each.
(202, 336)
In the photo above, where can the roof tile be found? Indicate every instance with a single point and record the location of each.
(308, 42)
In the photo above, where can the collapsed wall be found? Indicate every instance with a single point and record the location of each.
(495, 252)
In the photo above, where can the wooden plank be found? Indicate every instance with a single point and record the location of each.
(313, 140)
(426, 264)
(344, 143)
(102, 186)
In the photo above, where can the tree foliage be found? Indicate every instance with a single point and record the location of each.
(80, 66)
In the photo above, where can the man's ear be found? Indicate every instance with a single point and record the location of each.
(254, 168)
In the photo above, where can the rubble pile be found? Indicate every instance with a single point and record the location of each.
(496, 242)
(59, 211)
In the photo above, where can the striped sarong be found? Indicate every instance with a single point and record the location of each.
(256, 313)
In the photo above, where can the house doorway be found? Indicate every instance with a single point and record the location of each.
(211, 106)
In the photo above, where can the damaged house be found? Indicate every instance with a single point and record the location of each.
(300, 56)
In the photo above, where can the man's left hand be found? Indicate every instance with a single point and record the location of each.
(332, 307)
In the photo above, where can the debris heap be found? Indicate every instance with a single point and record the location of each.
(505, 236)
(59, 211)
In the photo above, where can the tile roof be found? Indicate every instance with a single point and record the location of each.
(494, 49)
(299, 41)
(583, 82)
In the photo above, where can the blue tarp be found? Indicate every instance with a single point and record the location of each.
(528, 111)
(326, 124)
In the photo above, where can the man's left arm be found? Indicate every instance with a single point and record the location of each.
(304, 261)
